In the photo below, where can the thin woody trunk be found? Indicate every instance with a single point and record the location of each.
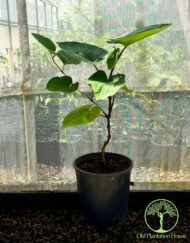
(111, 102)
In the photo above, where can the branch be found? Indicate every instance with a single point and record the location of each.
(113, 99)
(93, 102)
(102, 116)
(110, 106)
(96, 67)
(57, 65)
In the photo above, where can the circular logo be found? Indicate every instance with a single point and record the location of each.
(161, 216)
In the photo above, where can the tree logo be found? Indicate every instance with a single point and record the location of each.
(161, 216)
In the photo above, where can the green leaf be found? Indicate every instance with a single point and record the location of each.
(46, 42)
(81, 116)
(104, 88)
(139, 34)
(83, 51)
(99, 76)
(112, 58)
(66, 58)
(62, 84)
(127, 90)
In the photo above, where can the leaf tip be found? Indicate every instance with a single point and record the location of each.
(110, 41)
(63, 126)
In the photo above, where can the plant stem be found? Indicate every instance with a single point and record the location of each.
(93, 102)
(111, 100)
(91, 99)
(117, 61)
(95, 67)
(108, 130)
(57, 65)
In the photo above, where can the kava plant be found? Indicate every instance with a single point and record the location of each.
(103, 86)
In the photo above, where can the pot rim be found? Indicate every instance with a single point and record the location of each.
(103, 174)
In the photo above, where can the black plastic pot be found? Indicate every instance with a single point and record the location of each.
(104, 197)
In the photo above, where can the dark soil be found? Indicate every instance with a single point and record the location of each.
(68, 226)
(114, 163)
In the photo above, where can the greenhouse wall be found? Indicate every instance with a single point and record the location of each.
(152, 127)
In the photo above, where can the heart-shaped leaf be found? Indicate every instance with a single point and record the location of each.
(99, 76)
(139, 34)
(104, 88)
(46, 42)
(66, 58)
(62, 84)
(112, 58)
(83, 51)
(81, 116)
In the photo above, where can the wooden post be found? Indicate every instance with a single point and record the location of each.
(10, 49)
(28, 107)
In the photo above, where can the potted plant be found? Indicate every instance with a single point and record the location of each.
(103, 178)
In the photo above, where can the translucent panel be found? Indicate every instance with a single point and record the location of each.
(155, 135)
(41, 14)
(31, 12)
(3, 8)
(10, 69)
(13, 166)
(4, 42)
(49, 16)
(12, 10)
(54, 17)
(145, 62)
